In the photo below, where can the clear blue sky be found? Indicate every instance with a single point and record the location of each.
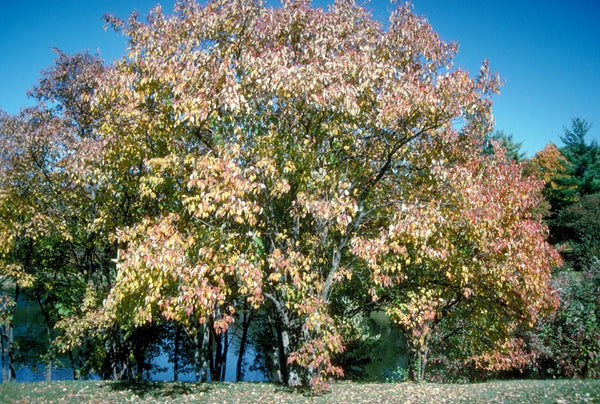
(546, 51)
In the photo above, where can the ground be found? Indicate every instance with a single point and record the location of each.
(514, 391)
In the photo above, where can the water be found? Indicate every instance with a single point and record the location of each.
(29, 326)
(162, 361)
(30, 333)
(39, 374)
(29, 329)
(29, 374)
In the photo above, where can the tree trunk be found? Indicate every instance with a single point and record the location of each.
(48, 322)
(224, 355)
(176, 338)
(206, 352)
(114, 362)
(200, 337)
(118, 365)
(3, 350)
(218, 355)
(140, 359)
(246, 319)
(84, 359)
(424, 358)
(12, 374)
(73, 366)
(283, 326)
(197, 348)
(283, 342)
(50, 361)
(10, 343)
(215, 358)
(418, 365)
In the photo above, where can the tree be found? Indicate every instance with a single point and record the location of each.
(583, 169)
(579, 225)
(53, 234)
(97, 207)
(469, 249)
(547, 165)
(567, 343)
(574, 174)
(68, 85)
(79, 257)
(249, 156)
(32, 221)
(512, 149)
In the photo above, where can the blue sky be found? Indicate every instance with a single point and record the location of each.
(547, 52)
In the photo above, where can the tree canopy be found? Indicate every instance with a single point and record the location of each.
(246, 156)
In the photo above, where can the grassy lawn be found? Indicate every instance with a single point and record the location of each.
(517, 391)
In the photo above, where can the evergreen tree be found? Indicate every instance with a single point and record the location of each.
(513, 149)
(584, 160)
(578, 176)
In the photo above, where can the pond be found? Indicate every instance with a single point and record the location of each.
(29, 331)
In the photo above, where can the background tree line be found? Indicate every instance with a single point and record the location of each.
(566, 343)
(279, 176)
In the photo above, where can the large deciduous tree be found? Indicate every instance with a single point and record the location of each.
(31, 221)
(46, 208)
(466, 247)
(264, 156)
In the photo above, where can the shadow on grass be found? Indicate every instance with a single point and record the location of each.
(159, 389)
(304, 391)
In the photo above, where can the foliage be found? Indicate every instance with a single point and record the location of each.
(580, 174)
(548, 165)
(242, 157)
(584, 159)
(512, 149)
(216, 142)
(575, 220)
(34, 225)
(397, 375)
(579, 225)
(453, 278)
(567, 343)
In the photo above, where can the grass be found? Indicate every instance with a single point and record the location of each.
(514, 391)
